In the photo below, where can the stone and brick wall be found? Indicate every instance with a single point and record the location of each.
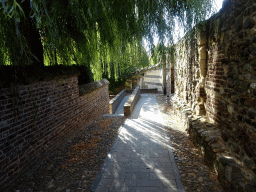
(231, 77)
(170, 81)
(215, 75)
(48, 113)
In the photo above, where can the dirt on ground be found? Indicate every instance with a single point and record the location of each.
(75, 165)
(194, 174)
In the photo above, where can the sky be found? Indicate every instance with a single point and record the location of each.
(177, 30)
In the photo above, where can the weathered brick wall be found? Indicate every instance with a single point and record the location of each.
(61, 109)
(170, 81)
(187, 76)
(215, 74)
(231, 78)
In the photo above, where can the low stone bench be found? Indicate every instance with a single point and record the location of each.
(131, 102)
(115, 102)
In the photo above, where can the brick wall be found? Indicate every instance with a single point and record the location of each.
(187, 77)
(231, 76)
(60, 107)
(170, 81)
(215, 74)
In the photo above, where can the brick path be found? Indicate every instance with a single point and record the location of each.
(141, 158)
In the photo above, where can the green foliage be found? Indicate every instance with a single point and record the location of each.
(158, 50)
(102, 35)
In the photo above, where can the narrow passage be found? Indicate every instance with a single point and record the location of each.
(141, 158)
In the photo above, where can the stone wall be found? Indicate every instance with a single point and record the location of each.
(231, 173)
(48, 113)
(170, 81)
(215, 75)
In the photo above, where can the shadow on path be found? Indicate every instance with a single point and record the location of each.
(141, 158)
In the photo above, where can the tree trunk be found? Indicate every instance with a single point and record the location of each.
(28, 29)
(55, 57)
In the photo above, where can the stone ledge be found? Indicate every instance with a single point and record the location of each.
(115, 102)
(231, 173)
(143, 90)
(131, 102)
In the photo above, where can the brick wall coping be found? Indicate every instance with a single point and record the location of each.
(131, 102)
(30, 74)
(89, 87)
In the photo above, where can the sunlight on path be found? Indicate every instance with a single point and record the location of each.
(141, 158)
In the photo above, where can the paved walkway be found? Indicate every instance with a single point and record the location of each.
(141, 158)
(152, 79)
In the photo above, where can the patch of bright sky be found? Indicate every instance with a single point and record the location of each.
(179, 32)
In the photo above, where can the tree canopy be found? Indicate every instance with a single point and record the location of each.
(90, 32)
(158, 50)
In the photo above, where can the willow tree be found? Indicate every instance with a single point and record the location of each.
(157, 51)
(30, 30)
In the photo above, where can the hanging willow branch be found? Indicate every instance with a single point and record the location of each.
(92, 31)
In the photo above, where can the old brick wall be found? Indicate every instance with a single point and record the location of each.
(60, 106)
(187, 76)
(215, 74)
(231, 78)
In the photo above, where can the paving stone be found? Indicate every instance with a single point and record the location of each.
(169, 189)
(143, 175)
(145, 169)
(154, 189)
(169, 183)
(143, 182)
(106, 182)
(163, 170)
(143, 156)
(190, 163)
(130, 181)
(122, 188)
(134, 163)
(102, 188)
(156, 183)
(119, 174)
(131, 169)
(143, 189)
(168, 176)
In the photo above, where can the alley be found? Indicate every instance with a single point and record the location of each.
(141, 158)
